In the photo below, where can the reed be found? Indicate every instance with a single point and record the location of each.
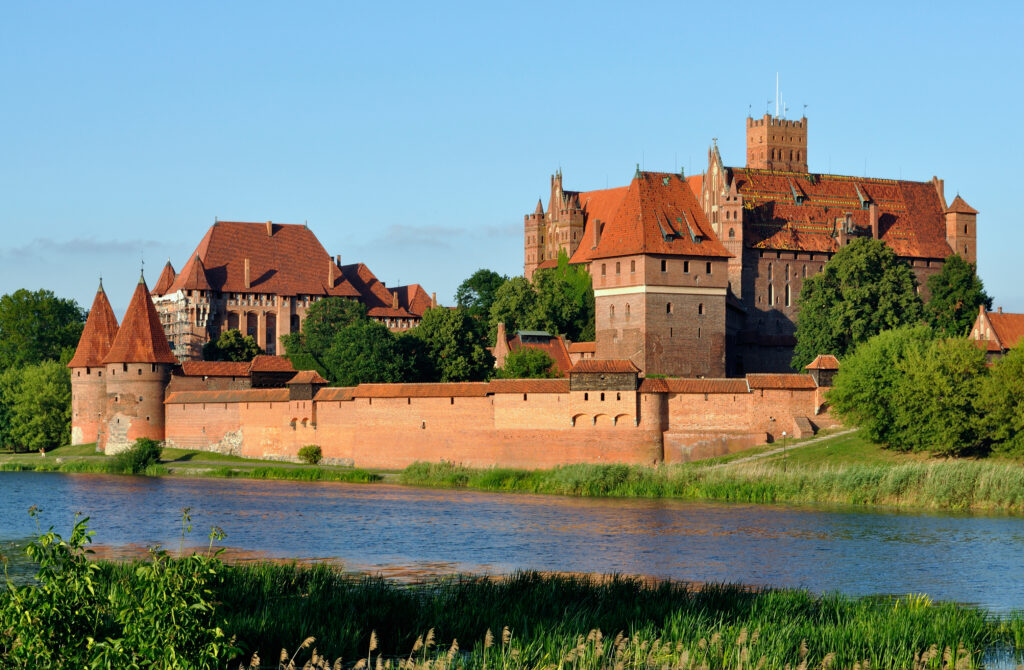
(354, 475)
(945, 485)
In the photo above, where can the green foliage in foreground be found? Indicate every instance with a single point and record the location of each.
(232, 346)
(190, 612)
(35, 406)
(135, 460)
(353, 476)
(528, 364)
(311, 453)
(937, 485)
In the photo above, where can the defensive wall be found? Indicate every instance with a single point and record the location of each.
(510, 423)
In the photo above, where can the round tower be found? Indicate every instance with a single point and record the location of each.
(88, 383)
(137, 369)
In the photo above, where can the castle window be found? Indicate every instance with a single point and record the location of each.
(602, 397)
(524, 398)
(99, 373)
(965, 230)
(787, 271)
(668, 308)
(700, 308)
(627, 310)
(670, 330)
(611, 311)
(803, 272)
(770, 272)
(732, 233)
(664, 266)
(771, 294)
(140, 398)
(124, 367)
(787, 295)
(698, 333)
(708, 268)
(618, 268)
(603, 268)
(586, 396)
(686, 266)
(139, 371)
(632, 266)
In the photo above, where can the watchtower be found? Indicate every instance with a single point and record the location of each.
(88, 385)
(777, 144)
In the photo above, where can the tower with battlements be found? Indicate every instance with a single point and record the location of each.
(777, 144)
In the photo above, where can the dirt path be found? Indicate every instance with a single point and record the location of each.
(779, 450)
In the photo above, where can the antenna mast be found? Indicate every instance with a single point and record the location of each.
(776, 95)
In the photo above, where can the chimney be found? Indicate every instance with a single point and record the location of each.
(999, 309)
(331, 276)
(502, 337)
(270, 229)
(873, 215)
(248, 284)
(940, 188)
(337, 259)
(394, 300)
(433, 299)
(597, 233)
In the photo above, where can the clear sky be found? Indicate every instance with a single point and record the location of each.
(414, 137)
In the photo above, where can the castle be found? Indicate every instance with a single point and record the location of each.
(260, 278)
(126, 384)
(699, 276)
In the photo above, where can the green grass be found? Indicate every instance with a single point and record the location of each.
(270, 607)
(309, 474)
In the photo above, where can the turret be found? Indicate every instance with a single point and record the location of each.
(777, 144)
(166, 279)
(137, 368)
(88, 385)
(962, 229)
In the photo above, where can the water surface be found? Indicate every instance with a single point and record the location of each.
(409, 532)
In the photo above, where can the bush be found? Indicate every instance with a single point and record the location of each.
(311, 453)
(144, 453)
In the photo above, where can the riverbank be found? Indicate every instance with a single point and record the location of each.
(183, 463)
(530, 620)
(844, 469)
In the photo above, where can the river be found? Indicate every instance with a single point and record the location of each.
(409, 533)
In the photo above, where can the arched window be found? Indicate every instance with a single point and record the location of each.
(668, 308)
(787, 295)
(611, 311)
(732, 233)
(771, 294)
(700, 308)
(803, 271)
(602, 397)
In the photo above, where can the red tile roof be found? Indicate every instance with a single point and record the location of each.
(960, 206)
(141, 338)
(372, 291)
(215, 369)
(657, 214)
(290, 261)
(308, 377)
(268, 363)
(696, 183)
(240, 395)
(693, 386)
(334, 393)
(553, 347)
(165, 280)
(413, 298)
(911, 218)
(780, 381)
(583, 347)
(97, 335)
(1008, 328)
(591, 365)
(529, 386)
(549, 264)
(823, 362)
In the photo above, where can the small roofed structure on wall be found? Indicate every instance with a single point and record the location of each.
(604, 375)
(997, 332)
(553, 345)
(261, 278)
(823, 369)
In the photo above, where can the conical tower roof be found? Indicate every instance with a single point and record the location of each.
(98, 334)
(960, 206)
(166, 279)
(141, 338)
(194, 274)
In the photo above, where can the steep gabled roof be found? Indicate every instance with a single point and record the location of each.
(270, 363)
(372, 291)
(657, 214)
(97, 335)
(823, 362)
(193, 277)
(288, 261)
(552, 345)
(960, 206)
(166, 279)
(307, 377)
(141, 338)
(413, 298)
(1008, 328)
(911, 217)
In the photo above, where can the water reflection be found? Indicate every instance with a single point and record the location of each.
(418, 532)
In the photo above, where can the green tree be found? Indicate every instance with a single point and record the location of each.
(38, 326)
(863, 290)
(476, 294)
(454, 345)
(365, 352)
(1001, 403)
(515, 305)
(936, 397)
(864, 391)
(565, 301)
(956, 294)
(232, 346)
(326, 317)
(37, 404)
(528, 364)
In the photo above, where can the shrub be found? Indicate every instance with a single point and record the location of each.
(311, 453)
(144, 453)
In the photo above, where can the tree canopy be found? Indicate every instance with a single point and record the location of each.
(38, 326)
(454, 345)
(1001, 403)
(956, 293)
(365, 352)
(35, 406)
(476, 294)
(528, 364)
(231, 346)
(862, 290)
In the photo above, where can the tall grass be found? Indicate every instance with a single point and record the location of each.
(955, 485)
(105, 467)
(354, 475)
(270, 607)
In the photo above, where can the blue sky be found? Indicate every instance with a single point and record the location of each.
(414, 138)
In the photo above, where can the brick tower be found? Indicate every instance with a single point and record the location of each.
(777, 144)
(962, 229)
(138, 367)
(88, 386)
